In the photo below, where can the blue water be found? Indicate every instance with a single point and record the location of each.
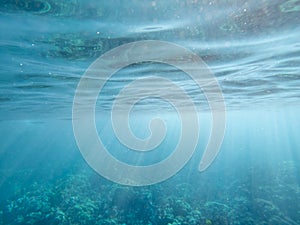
(251, 47)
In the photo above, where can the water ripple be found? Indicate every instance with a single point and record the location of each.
(252, 47)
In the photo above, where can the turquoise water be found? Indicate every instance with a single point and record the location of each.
(251, 47)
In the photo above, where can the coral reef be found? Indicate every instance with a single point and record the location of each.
(83, 197)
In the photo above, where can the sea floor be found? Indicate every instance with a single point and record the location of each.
(81, 196)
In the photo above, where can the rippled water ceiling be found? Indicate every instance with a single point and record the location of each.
(252, 47)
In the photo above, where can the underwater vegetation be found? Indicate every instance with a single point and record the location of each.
(85, 198)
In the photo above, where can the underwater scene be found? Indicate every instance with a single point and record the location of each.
(150, 112)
